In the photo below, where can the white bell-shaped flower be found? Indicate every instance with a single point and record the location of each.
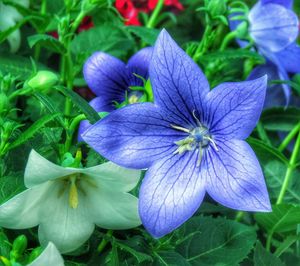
(67, 202)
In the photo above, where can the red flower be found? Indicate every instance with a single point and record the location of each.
(86, 24)
(130, 9)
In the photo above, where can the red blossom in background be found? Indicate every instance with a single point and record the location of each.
(130, 9)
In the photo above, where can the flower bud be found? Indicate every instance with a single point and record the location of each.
(35, 253)
(43, 80)
(242, 30)
(20, 244)
(216, 8)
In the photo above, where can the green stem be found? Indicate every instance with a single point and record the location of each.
(202, 47)
(73, 126)
(239, 216)
(269, 240)
(263, 134)
(290, 169)
(228, 38)
(77, 21)
(37, 49)
(289, 138)
(104, 242)
(152, 21)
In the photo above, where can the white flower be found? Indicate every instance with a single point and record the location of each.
(49, 257)
(9, 16)
(66, 203)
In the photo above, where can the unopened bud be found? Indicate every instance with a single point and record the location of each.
(216, 8)
(20, 244)
(35, 253)
(43, 80)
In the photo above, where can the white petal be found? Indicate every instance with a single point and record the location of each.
(49, 257)
(110, 175)
(67, 228)
(39, 170)
(22, 211)
(112, 209)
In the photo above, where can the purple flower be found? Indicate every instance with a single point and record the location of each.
(191, 140)
(274, 28)
(110, 79)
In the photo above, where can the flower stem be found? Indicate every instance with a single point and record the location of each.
(202, 47)
(228, 38)
(104, 241)
(289, 138)
(262, 133)
(152, 21)
(290, 169)
(74, 124)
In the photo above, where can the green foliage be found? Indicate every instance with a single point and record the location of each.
(48, 42)
(265, 258)
(283, 218)
(215, 241)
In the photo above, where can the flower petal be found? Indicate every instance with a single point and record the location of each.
(106, 76)
(285, 3)
(23, 210)
(100, 105)
(39, 170)
(133, 136)
(290, 58)
(234, 177)
(233, 108)
(110, 175)
(139, 62)
(49, 257)
(273, 26)
(178, 83)
(275, 95)
(112, 209)
(66, 227)
(171, 192)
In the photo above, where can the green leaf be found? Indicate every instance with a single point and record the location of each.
(32, 130)
(47, 41)
(169, 258)
(5, 246)
(112, 259)
(147, 35)
(82, 104)
(18, 66)
(233, 54)
(283, 218)
(264, 258)
(274, 165)
(10, 186)
(106, 38)
(140, 256)
(215, 241)
(51, 107)
(288, 241)
(280, 118)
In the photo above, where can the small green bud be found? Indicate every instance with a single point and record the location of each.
(20, 244)
(35, 253)
(43, 80)
(216, 8)
(4, 103)
(242, 30)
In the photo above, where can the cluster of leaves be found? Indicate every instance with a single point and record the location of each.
(45, 118)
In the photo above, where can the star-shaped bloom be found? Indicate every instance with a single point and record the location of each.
(49, 257)
(9, 16)
(191, 140)
(274, 28)
(111, 79)
(67, 202)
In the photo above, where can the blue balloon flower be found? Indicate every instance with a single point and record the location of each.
(191, 140)
(274, 28)
(110, 79)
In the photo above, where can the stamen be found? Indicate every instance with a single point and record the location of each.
(200, 155)
(180, 128)
(196, 118)
(73, 194)
(212, 142)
